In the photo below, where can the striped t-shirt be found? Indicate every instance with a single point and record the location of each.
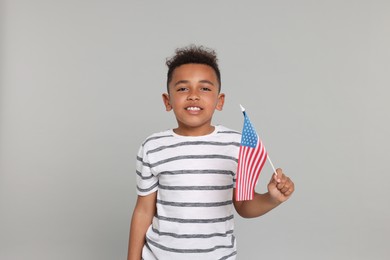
(194, 178)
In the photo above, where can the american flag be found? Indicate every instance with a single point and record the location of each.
(251, 158)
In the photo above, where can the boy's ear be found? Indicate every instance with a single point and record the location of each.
(221, 101)
(166, 101)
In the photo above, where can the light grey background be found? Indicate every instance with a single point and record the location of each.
(81, 85)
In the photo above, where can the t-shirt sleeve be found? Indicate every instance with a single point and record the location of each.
(147, 181)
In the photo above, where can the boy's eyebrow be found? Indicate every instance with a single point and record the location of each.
(182, 82)
(206, 81)
(200, 81)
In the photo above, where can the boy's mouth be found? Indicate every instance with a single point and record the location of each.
(193, 108)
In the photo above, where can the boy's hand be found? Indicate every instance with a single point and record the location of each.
(280, 186)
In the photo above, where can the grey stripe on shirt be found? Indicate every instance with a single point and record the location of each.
(185, 157)
(175, 235)
(144, 177)
(197, 172)
(155, 137)
(181, 220)
(228, 256)
(229, 132)
(194, 204)
(196, 250)
(148, 189)
(192, 143)
(226, 187)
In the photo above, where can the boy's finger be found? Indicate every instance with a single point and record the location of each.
(288, 187)
(285, 188)
(278, 175)
(289, 192)
(281, 185)
(283, 182)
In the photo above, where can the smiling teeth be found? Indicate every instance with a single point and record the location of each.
(193, 108)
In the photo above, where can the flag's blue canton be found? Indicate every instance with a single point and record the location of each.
(249, 136)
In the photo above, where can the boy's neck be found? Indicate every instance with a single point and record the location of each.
(194, 132)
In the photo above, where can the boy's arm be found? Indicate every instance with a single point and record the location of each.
(280, 189)
(144, 211)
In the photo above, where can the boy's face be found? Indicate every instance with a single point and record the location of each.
(193, 97)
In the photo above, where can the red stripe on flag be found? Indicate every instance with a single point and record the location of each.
(250, 163)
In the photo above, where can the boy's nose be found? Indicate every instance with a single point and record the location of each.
(193, 96)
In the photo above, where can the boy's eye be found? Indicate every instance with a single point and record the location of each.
(182, 89)
(205, 89)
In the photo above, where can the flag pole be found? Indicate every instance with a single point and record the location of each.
(269, 159)
(272, 165)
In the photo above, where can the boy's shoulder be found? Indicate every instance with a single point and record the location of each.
(225, 134)
(225, 130)
(158, 136)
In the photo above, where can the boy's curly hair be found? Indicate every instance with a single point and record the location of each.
(193, 54)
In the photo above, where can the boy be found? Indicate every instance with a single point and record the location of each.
(186, 175)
